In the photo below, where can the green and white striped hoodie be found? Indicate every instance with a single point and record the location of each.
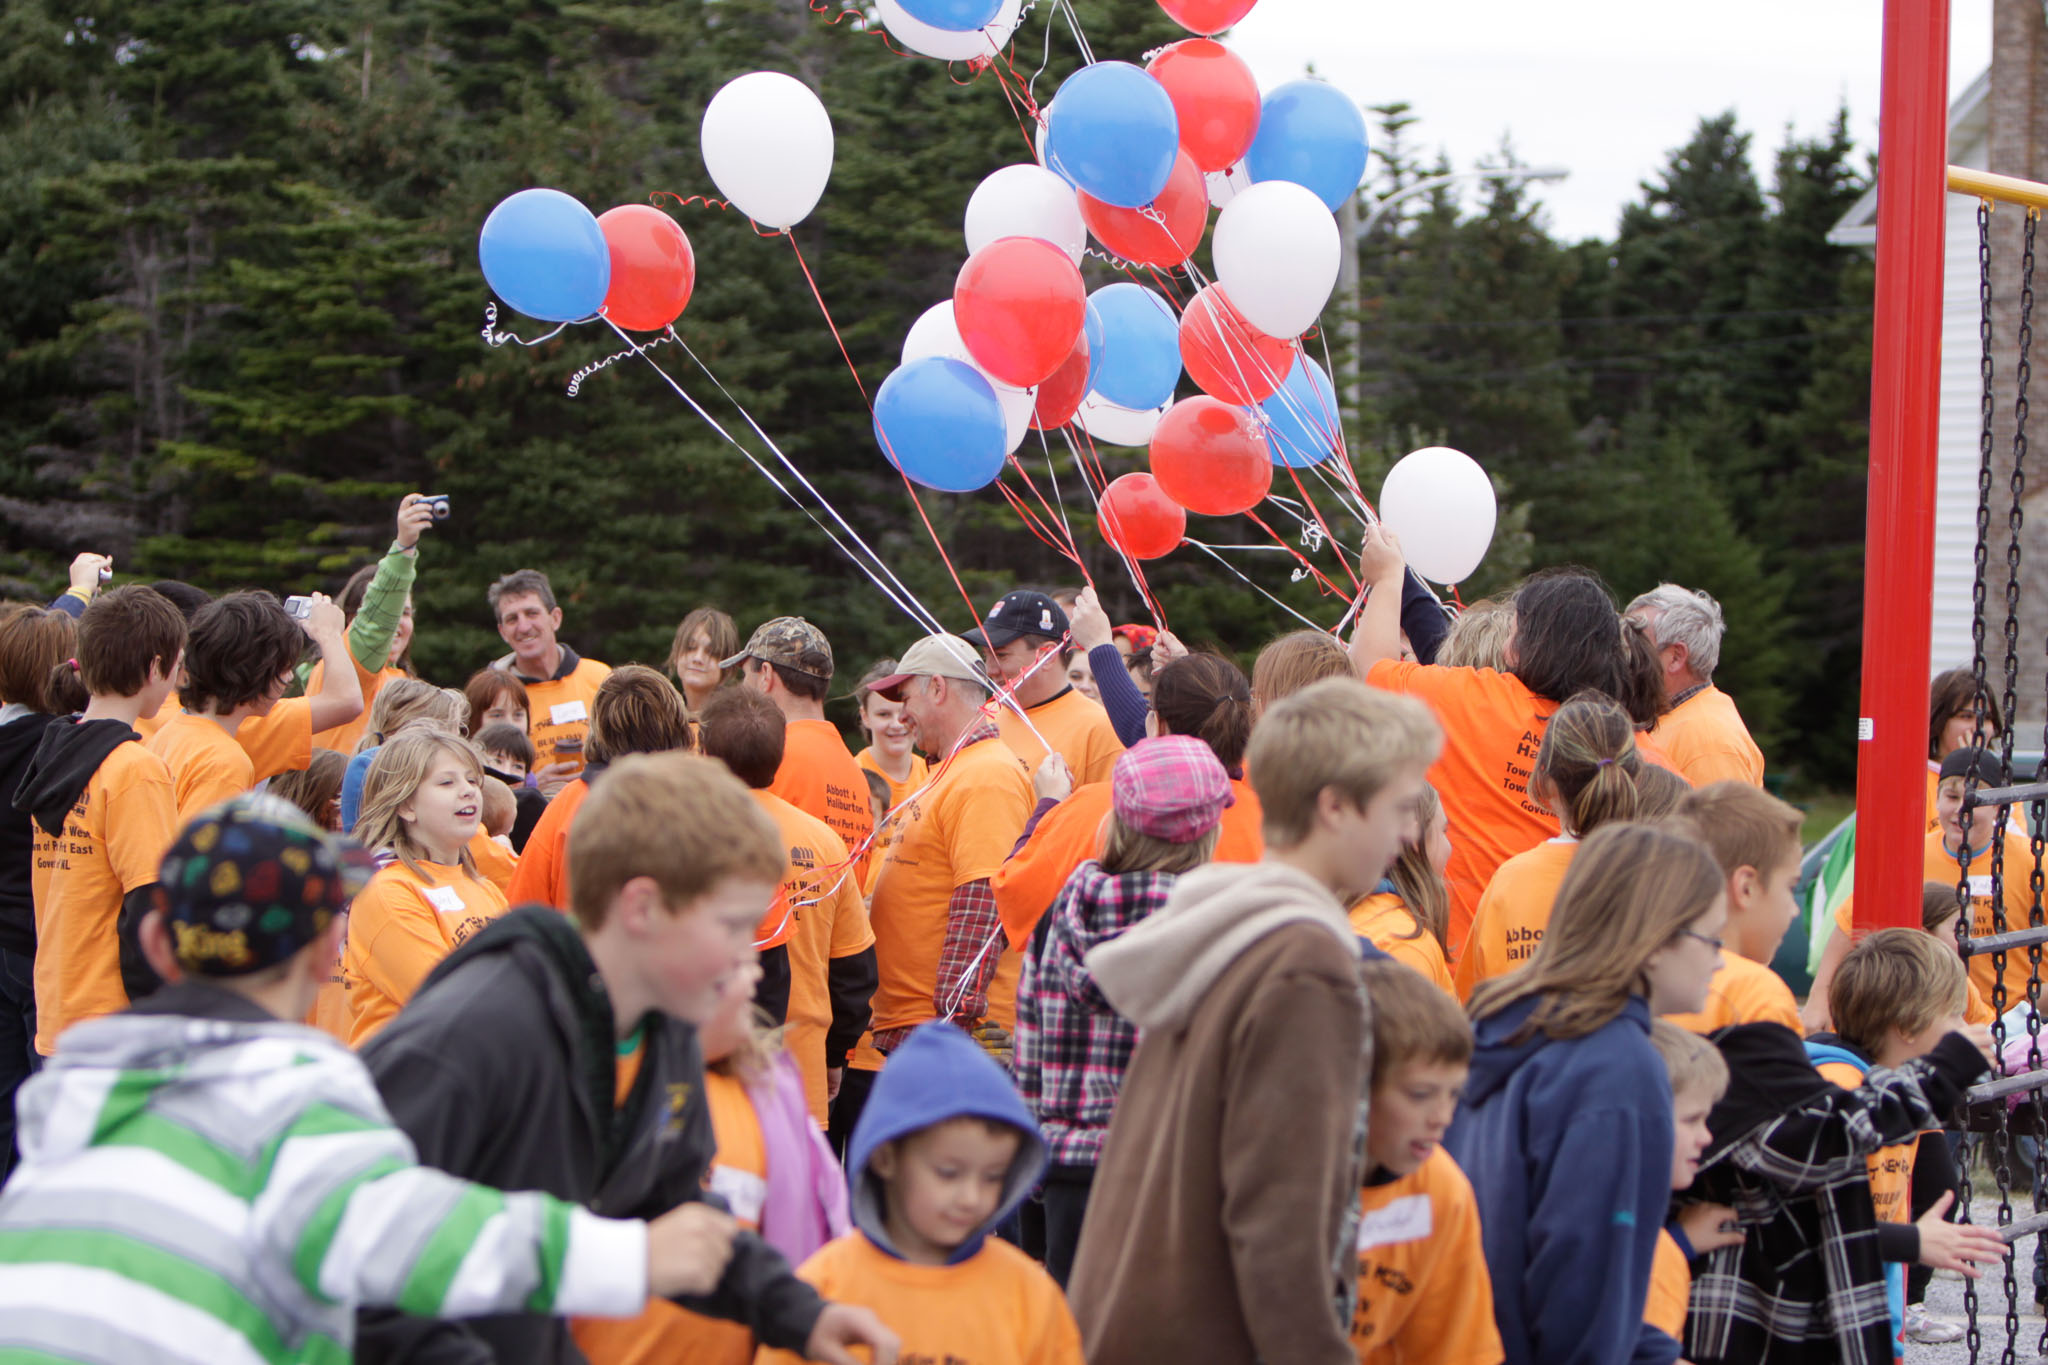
(226, 1192)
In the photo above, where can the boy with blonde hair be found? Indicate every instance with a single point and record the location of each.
(1699, 1078)
(1222, 1224)
(1755, 838)
(1424, 1297)
(560, 1054)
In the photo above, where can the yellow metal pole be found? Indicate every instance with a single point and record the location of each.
(2003, 189)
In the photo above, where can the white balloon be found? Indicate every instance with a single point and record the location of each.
(1026, 201)
(1116, 426)
(949, 44)
(1277, 249)
(935, 333)
(768, 146)
(1441, 504)
(1224, 185)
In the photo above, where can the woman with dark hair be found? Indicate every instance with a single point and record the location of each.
(1952, 725)
(1567, 639)
(706, 637)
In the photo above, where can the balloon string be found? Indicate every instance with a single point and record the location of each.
(494, 338)
(1137, 574)
(909, 487)
(576, 380)
(1210, 550)
(1040, 522)
(1318, 574)
(1073, 551)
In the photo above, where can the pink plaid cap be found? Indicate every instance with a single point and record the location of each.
(1172, 788)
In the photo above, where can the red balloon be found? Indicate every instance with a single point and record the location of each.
(1209, 457)
(1019, 304)
(1059, 397)
(1206, 16)
(1140, 520)
(653, 268)
(1228, 357)
(1215, 98)
(1165, 232)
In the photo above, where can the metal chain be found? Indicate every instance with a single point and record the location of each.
(1978, 694)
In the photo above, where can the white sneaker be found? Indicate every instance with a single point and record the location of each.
(1930, 1331)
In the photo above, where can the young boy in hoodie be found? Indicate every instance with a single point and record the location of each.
(944, 1151)
(205, 1180)
(1222, 1223)
(105, 810)
(560, 1053)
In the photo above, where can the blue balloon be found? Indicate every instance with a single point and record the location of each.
(1111, 131)
(1311, 133)
(1140, 366)
(544, 255)
(1098, 338)
(955, 16)
(939, 421)
(1303, 425)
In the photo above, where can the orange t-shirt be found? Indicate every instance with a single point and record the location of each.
(542, 876)
(819, 777)
(1514, 912)
(400, 926)
(1743, 992)
(1939, 865)
(828, 920)
(113, 842)
(343, 738)
(1891, 1168)
(1707, 741)
(1654, 753)
(1424, 1297)
(997, 1307)
(280, 741)
(559, 708)
(958, 832)
(495, 863)
(207, 766)
(1077, 727)
(665, 1334)
(1933, 796)
(1493, 726)
(1383, 920)
(920, 773)
(1670, 1288)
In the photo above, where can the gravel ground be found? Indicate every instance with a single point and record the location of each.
(1945, 1300)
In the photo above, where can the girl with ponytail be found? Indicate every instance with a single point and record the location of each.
(1585, 772)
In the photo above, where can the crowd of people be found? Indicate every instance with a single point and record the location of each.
(1407, 1000)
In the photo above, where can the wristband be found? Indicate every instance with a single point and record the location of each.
(411, 551)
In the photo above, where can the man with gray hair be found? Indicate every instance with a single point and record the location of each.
(1702, 734)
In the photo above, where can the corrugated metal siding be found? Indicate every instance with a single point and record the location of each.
(1955, 511)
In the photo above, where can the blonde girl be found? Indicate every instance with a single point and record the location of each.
(422, 805)
(1566, 1127)
(1409, 916)
(1586, 770)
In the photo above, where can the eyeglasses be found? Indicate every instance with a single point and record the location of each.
(1717, 944)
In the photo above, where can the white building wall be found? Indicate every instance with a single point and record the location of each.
(1955, 510)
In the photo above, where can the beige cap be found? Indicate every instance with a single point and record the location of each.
(935, 656)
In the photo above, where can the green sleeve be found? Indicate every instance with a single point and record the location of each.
(370, 634)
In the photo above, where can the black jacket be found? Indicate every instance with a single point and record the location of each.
(500, 1069)
(18, 740)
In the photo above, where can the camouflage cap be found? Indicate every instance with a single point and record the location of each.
(790, 641)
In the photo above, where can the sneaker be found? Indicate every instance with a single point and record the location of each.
(1930, 1331)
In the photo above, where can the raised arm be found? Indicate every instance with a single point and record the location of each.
(1381, 568)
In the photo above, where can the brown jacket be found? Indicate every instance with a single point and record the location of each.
(1222, 1223)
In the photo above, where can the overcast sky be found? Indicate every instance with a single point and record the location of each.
(1604, 87)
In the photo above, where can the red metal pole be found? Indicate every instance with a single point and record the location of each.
(1905, 398)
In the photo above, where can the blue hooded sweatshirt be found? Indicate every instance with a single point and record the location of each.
(1568, 1146)
(938, 1073)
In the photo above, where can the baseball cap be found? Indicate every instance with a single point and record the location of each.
(250, 882)
(790, 641)
(1172, 788)
(1960, 761)
(1019, 614)
(935, 656)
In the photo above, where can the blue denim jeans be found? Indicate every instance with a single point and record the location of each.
(18, 1059)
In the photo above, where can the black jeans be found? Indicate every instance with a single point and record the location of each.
(18, 1057)
(846, 1106)
(1066, 1203)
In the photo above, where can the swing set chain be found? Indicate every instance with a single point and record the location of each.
(1978, 692)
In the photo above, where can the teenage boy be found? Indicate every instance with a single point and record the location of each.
(1223, 1221)
(560, 684)
(239, 657)
(207, 1180)
(105, 810)
(789, 661)
(560, 1054)
(1020, 639)
(830, 946)
(1755, 838)
(1424, 1297)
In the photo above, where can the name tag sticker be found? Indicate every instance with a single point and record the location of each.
(567, 713)
(1407, 1219)
(1981, 886)
(446, 899)
(743, 1191)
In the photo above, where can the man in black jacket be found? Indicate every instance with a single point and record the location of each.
(562, 1055)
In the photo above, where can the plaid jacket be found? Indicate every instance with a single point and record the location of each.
(1807, 1284)
(1072, 1048)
